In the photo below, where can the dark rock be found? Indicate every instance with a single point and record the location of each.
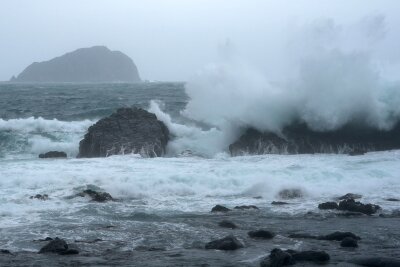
(392, 199)
(349, 242)
(45, 239)
(353, 206)
(279, 203)
(94, 64)
(246, 207)
(40, 197)
(350, 196)
(219, 208)
(262, 234)
(89, 241)
(53, 154)
(145, 248)
(5, 251)
(298, 138)
(312, 256)
(128, 130)
(277, 258)
(226, 243)
(55, 246)
(227, 224)
(339, 236)
(96, 196)
(328, 206)
(290, 193)
(377, 262)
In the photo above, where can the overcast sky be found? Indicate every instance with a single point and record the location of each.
(167, 39)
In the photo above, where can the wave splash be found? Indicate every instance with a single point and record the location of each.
(331, 79)
(32, 136)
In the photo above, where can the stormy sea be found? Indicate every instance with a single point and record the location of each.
(161, 213)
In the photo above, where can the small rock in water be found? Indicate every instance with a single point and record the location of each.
(226, 243)
(219, 208)
(350, 196)
(349, 242)
(96, 196)
(306, 236)
(53, 154)
(5, 251)
(227, 224)
(278, 258)
(392, 199)
(290, 193)
(262, 234)
(279, 203)
(54, 246)
(246, 207)
(328, 206)
(339, 236)
(353, 206)
(311, 255)
(377, 262)
(40, 197)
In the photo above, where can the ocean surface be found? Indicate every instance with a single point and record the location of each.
(162, 213)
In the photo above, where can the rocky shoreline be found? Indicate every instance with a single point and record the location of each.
(249, 235)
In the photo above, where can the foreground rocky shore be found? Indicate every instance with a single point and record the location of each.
(245, 235)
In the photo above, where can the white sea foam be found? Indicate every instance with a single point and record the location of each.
(37, 135)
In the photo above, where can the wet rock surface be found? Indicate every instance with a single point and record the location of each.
(227, 224)
(220, 208)
(226, 243)
(300, 139)
(261, 234)
(127, 131)
(96, 196)
(356, 206)
(40, 197)
(58, 246)
(53, 154)
(328, 206)
(349, 242)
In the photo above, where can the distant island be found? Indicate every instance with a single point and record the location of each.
(94, 64)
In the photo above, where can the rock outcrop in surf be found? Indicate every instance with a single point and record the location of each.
(94, 64)
(300, 139)
(128, 130)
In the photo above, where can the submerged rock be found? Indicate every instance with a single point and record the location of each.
(96, 196)
(328, 206)
(53, 154)
(40, 197)
(227, 224)
(298, 138)
(305, 236)
(220, 208)
(261, 234)
(377, 262)
(226, 243)
(350, 196)
(279, 258)
(392, 199)
(339, 236)
(127, 131)
(353, 206)
(349, 242)
(246, 207)
(290, 193)
(279, 203)
(5, 251)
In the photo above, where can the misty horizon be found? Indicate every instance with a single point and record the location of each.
(173, 40)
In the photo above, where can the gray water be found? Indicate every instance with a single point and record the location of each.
(162, 213)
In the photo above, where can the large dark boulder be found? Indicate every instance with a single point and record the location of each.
(377, 262)
(298, 138)
(220, 208)
(349, 242)
(278, 258)
(128, 130)
(226, 243)
(328, 206)
(339, 236)
(96, 196)
(356, 206)
(261, 234)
